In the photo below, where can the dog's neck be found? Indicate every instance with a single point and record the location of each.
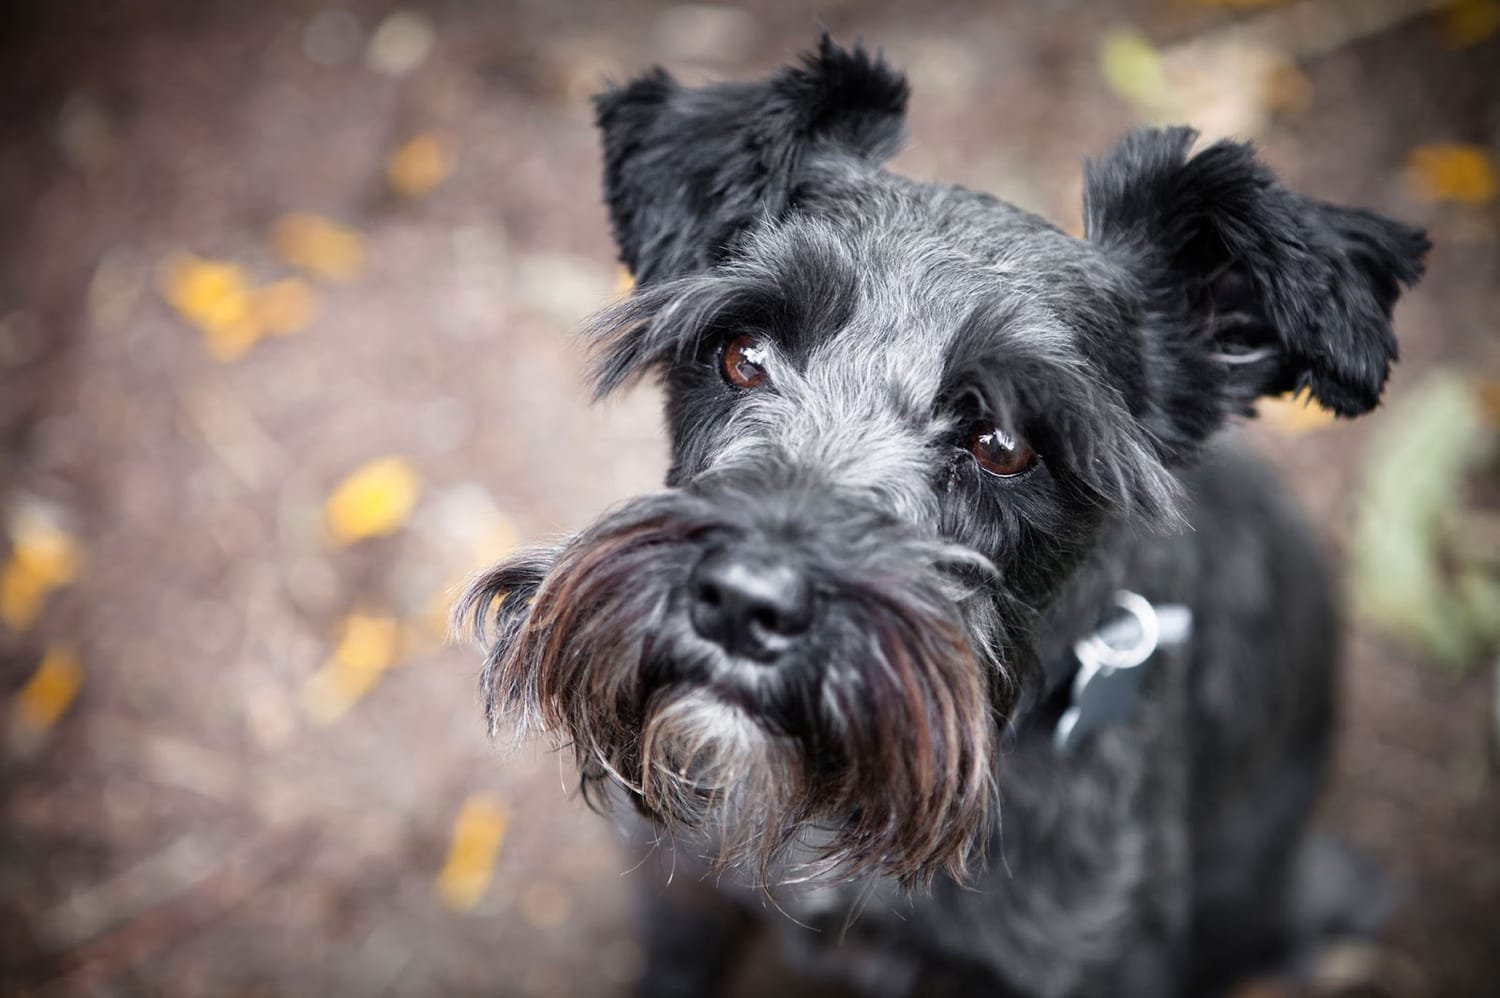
(1080, 611)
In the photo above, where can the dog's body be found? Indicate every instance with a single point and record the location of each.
(921, 441)
(1164, 851)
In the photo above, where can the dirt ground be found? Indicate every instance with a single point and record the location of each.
(196, 820)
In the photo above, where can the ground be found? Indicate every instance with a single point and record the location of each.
(250, 765)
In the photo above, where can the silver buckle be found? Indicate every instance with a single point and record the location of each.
(1095, 653)
(1097, 658)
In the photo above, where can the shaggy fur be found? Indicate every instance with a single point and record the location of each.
(893, 760)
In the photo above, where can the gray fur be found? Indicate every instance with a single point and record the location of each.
(887, 778)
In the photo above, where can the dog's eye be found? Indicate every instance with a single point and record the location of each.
(743, 362)
(1000, 453)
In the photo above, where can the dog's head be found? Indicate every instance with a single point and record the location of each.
(902, 415)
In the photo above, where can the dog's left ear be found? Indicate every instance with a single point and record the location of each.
(1251, 289)
(687, 170)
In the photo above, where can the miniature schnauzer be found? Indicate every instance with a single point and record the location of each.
(959, 636)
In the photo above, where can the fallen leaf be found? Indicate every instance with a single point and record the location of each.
(43, 558)
(375, 500)
(1469, 22)
(1287, 89)
(624, 284)
(420, 165)
(478, 834)
(206, 292)
(1294, 412)
(50, 690)
(1132, 67)
(284, 307)
(215, 297)
(320, 246)
(1452, 172)
(21, 599)
(368, 644)
(366, 650)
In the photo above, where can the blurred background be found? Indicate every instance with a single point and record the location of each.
(286, 293)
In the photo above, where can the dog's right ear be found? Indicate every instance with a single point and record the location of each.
(687, 170)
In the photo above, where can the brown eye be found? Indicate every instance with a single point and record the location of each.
(743, 362)
(1000, 453)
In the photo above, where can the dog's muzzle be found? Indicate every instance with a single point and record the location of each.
(775, 672)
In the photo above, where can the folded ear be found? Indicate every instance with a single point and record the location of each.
(1251, 289)
(687, 170)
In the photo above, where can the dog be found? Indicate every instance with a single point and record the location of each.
(960, 637)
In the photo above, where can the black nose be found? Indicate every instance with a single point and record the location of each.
(753, 604)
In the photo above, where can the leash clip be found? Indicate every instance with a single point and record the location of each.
(1107, 685)
(1096, 652)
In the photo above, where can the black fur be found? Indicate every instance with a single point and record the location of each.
(686, 171)
(1241, 266)
(888, 775)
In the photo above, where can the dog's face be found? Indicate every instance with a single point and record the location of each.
(902, 417)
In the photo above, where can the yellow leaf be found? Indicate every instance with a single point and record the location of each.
(208, 293)
(1288, 90)
(368, 644)
(1469, 22)
(1461, 173)
(319, 246)
(365, 652)
(21, 598)
(1132, 67)
(624, 283)
(215, 297)
(284, 307)
(375, 500)
(420, 165)
(1294, 412)
(49, 691)
(477, 836)
(48, 553)
(219, 299)
(42, 559)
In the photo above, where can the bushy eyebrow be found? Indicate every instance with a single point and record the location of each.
(667, 322)
(794, 285)
(1027, 382)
